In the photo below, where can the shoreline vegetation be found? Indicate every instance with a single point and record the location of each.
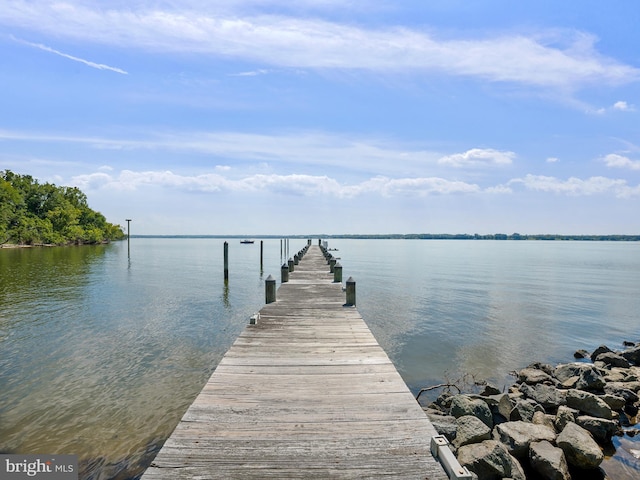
(35, 214)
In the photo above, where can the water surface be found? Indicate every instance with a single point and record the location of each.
(100, 355)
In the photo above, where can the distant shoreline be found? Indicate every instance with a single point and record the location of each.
(426, 236)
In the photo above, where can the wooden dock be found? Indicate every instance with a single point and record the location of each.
(307, 392)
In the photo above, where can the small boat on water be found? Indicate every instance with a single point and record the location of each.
(246, 241)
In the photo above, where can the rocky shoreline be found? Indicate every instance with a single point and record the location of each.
(554, 422)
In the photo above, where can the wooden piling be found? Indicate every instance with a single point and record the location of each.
(351, 292)
(226, 261)
(337, 273)
(284, 273)
(270, 289)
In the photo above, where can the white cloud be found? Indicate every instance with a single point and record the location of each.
(292, 184)
(576, 186)
(291, 148)
(252, 73)
(553, 160)
(300, 42)
(303, 185)
(45, 48)
(623, 106)
(478, 157)
(614, 160)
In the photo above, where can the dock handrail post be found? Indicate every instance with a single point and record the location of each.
(332, 264)
(284, 273)
(226, 261)
(270, 289)
(351, 292)
(291, 267)
(337, 273)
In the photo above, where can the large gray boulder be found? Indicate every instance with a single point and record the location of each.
(545, 419)
(632, 355)
(601, 429)
(517, 436)
(546, 395)
(565, 371)
(613, 359)
(622, 389)
(470, 430)
(462, 405)
(565, 415)
(532, 376)
(600, 350)
(445, 425)
(490, 460)
(590, 379)
(589, 403)
(580, 449)
(615, 402)
(524, 409)
(505, 405)
(548, 461)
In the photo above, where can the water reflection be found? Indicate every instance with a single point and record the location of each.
(101, 359)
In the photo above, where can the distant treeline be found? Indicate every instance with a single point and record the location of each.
(494, 236)
(32, 213)
(424, 236)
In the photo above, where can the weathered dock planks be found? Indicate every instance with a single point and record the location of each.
(307, 392)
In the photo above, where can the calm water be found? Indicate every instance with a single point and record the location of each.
(100, 355)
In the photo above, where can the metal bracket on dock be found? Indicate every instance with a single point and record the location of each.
(441, 452)
(253, 320)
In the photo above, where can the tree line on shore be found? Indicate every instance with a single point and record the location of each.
(492, 236)
(32, 213)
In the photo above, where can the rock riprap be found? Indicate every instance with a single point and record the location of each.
(553, 421)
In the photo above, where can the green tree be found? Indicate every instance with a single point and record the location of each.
(31, 213)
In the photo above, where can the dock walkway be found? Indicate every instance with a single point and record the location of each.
(307, 392)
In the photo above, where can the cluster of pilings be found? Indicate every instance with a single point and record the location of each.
(334, 267)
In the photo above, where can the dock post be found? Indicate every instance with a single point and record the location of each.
(291, 267)
(128, 237)
(270, 289)
(261, 251)
(284, 273)
(337, 273)
(332, 264)
(296, 259)
(351, 292)
(226, 261)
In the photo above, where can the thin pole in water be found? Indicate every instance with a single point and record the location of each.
(128, 238)
(226, 261)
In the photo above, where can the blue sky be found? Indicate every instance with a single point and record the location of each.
(329, 116)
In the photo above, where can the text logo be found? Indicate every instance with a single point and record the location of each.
(44, 467)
